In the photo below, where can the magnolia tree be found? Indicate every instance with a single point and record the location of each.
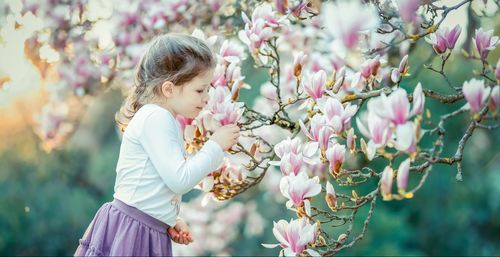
(334, 101)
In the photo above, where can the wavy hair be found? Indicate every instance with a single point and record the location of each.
(177, 58)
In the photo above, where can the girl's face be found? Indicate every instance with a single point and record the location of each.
(189, 99)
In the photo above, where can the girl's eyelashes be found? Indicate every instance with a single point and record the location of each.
(200, 91)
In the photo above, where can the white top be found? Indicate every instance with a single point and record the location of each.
(153, 171)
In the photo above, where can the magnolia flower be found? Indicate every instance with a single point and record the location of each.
(351, 140)
(298, 189)
(418, 100)
(335, 155)
(406, 137)
(298, 63)
(319, 132)
(401, 71)
(294, 236)
(402, 179)
(408, 9)
(444, 39)
(231, 52)
(475, 93)
(315, 86)
(266, 13)
(217, 95)
(228, 113)
(370, 67)
(288, 146)
(396, 106)
(291, 163)
(330, 197)
(386, 183)
(375, 128)
(346, 28)
(255, 35)
(485, 42)
(338, 115)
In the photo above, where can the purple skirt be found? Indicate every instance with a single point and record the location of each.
(122, 230)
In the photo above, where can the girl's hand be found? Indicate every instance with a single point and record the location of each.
(181, 233)
(226, 136)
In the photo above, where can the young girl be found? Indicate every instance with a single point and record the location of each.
(172, 78)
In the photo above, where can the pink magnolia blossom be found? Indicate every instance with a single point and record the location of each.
(370, 67)
(485, 42)
(403, 65)
(375, 128)
(315, 86)
(451, 36)
(291, 163)
(281, 6)
(228, 113)
(317, 122)
(260, 28)
(351, 140)
(345, 27)
(266, 13)
(231, 52)
(336, 155)
(408, 9)
(402, 179)
(255, 35)
(216, 96)
(219, 79)
(298, 63)
(418, 100)
(438, 42)
(386, 183)
(325, 134)
(294, 236)
(298, 189)
(406, 137)
(444, 39)
(288, 146)
(338, 116)
(395, 108)
(475, 93)
(319, 131)
(330, 197)
(301, 6)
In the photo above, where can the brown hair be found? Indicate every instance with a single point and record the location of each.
(170, 57)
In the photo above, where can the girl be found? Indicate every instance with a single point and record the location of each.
(172, 78)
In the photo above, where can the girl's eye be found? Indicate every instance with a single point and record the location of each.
(199, 91)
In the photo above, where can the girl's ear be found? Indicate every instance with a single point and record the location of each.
(167, 89)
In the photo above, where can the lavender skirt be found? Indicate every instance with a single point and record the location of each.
(122, 230)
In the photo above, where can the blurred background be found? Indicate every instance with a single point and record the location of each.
(47, 198)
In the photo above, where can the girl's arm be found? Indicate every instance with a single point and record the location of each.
(161, 143)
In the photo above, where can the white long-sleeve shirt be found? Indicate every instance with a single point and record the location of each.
(153, 171)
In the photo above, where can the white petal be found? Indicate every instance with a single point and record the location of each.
(310, 149)
(270, 245)
(313, 253)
